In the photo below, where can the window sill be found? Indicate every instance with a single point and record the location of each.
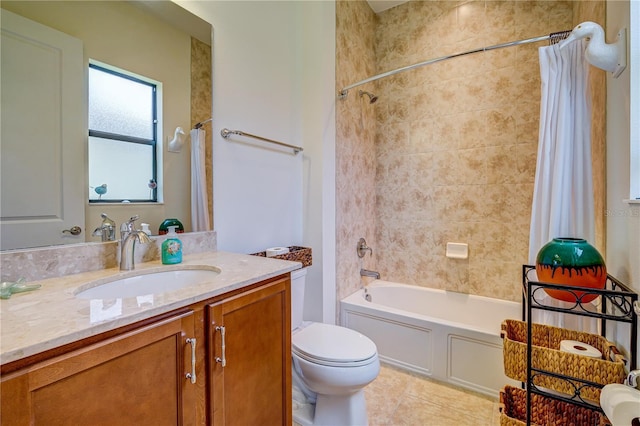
(632, 202)
(116, 203)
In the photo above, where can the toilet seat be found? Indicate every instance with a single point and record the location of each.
(334, 346)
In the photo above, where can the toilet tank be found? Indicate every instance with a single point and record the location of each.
(298, 279)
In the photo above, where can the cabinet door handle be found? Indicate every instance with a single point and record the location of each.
(192, 375)
(222, 360)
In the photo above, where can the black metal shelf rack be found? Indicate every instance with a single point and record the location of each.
(616, 305)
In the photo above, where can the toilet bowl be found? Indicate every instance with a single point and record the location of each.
(331, 366)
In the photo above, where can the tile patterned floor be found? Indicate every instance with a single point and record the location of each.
(401, 398)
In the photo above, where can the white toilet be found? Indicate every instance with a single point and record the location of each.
(331, 367)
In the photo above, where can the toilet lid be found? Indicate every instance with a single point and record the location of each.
(330, 343)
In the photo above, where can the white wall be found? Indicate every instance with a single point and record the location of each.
(274, 76)
(623, 219)
(316, 27)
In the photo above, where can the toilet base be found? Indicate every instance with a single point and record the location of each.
(341, 410)
(303, 409)
(329, 410)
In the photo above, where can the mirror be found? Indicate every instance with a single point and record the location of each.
(157, 39)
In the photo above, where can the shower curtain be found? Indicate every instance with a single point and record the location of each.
(563, 203)
(199, 199)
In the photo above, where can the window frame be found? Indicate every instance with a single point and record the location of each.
(132, 139)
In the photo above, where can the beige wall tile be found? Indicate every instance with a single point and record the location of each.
(454, 144)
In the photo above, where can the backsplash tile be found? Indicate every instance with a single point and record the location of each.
(56, 261)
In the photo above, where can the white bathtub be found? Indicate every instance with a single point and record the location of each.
(447, 336)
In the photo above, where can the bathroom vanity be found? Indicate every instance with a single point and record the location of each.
(216, 353)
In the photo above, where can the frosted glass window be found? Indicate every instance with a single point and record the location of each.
(124, 167)
(120, 105)
(122, 137)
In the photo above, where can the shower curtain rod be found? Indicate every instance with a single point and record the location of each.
(553, 38)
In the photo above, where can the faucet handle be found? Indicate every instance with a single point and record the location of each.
(132, 219)
(106, 221)
(127, 227)
(362, 248)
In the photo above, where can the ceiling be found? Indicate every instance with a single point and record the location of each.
(381, 5)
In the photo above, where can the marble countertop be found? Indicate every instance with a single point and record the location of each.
(52, 316)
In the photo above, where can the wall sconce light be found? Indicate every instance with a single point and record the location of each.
(175, 144)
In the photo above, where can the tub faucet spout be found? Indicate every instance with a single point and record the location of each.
(368, 273)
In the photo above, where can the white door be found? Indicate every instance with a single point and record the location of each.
(43, 135)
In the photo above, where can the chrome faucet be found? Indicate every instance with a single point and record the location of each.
(107, 230)
(368, 273)
(129, 237)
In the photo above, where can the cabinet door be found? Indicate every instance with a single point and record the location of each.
(138, 378)
(250, 368)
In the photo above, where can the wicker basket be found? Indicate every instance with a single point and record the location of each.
(296, 254)
(546, 355)
(545, 411)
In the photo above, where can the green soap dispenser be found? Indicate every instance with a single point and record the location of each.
(171, 248)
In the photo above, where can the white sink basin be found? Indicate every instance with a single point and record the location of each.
(145, 283)
(621, 404)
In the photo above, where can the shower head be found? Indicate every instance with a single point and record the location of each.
(372, 98)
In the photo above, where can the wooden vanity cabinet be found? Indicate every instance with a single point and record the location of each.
(139, 376)
(249, 357)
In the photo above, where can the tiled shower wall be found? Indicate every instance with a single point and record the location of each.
(455, 143)
(356, 160)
